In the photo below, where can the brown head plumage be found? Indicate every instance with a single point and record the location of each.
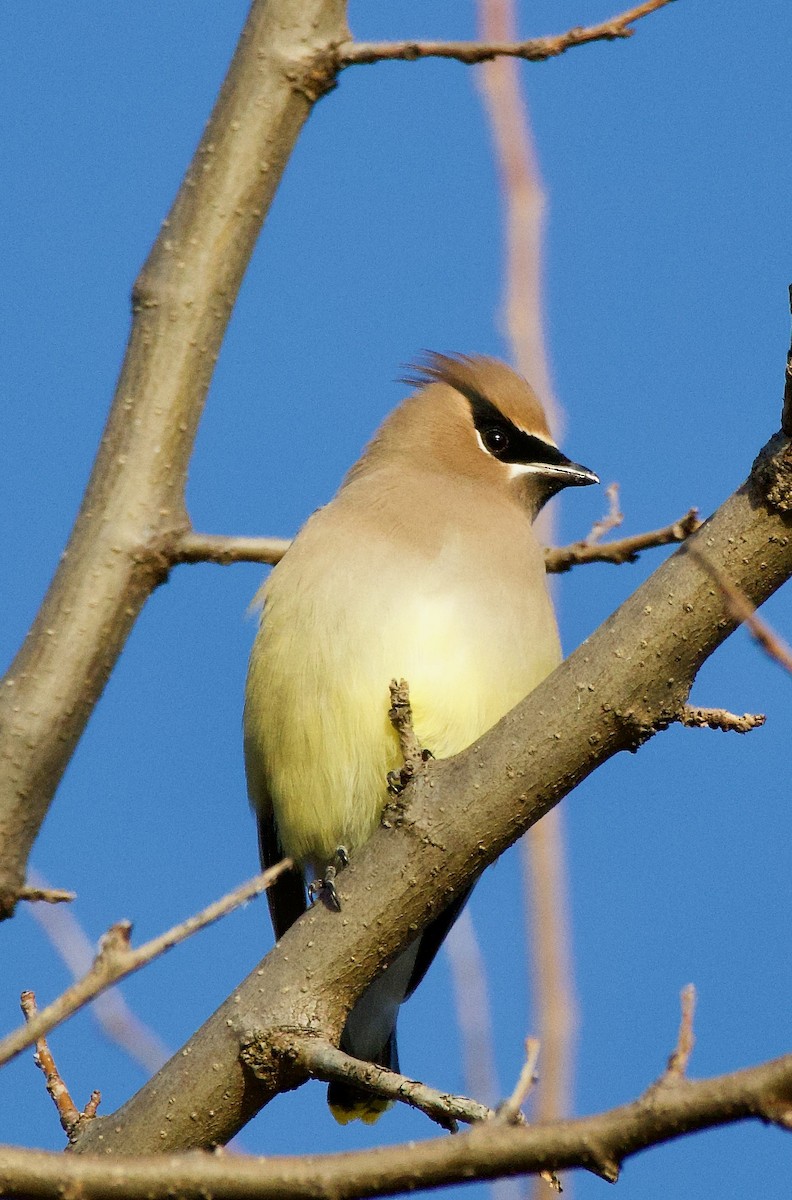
(475, 418)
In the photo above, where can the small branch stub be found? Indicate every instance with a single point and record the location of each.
(695, 717)
(511, 1109)
(70, 1116)
(680, 1056)
(400, 717)
(45, 895)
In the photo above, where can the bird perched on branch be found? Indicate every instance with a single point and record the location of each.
(423, 567)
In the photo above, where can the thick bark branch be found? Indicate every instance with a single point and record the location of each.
(668, 1110)
(629, 680)
(182, 301)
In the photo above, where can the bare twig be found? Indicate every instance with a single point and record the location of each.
(534, 50)
(561, 558)
(511, 1109)
(612, 519)
(718, 718)
(110, 1010)
(48, 895)
(70, 1116)
(680, 1056)
(192, 547)
(117, 959)
(321, 1060)
(741, 609)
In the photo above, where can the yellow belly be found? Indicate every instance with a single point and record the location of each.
(318, 739)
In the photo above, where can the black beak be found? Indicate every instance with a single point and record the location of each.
(569, 474)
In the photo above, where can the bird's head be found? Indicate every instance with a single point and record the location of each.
(474, 416)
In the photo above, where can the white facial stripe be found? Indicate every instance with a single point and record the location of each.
(517, 469)
(520, 468)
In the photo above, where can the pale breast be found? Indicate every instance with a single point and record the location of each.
(468, 624)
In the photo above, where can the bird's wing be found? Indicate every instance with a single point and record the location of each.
(286, 897)
(433, 937)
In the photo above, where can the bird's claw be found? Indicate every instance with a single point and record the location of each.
(326, 886)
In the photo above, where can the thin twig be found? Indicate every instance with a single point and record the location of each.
(533, 50)
(511, 1109)
(110, 1010)
(612, 519)
(561, 558)
(116, 959)
(69, 1114)
(47, 895)
(741, 609)
(192, 547)
(686, 1040)
(323, 1061)
(695, 717)
(510, 1112)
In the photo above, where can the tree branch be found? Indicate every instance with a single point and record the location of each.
(323, 1061)
(45, 895)
(188, 546)
(192, 547)
(533, 50)
(561, 558)
(182, 301)
(627, 681)
(70, 1116)
(117, 959)
(601, 1143)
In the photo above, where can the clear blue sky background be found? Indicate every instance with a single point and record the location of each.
(669, 174)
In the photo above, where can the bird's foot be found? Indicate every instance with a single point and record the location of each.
(326, 886)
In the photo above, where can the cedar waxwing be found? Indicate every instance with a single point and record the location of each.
(424, 567)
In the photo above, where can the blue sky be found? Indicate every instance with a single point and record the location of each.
(668, 257)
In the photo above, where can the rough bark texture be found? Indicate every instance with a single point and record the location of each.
(135, 499)
(629, 680)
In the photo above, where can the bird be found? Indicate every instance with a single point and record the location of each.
(423, 567)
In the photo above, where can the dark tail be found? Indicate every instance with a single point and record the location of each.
(349, 1103)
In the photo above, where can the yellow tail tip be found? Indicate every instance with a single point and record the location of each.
(368, 1110)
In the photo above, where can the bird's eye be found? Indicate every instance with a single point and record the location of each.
(496, 439)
